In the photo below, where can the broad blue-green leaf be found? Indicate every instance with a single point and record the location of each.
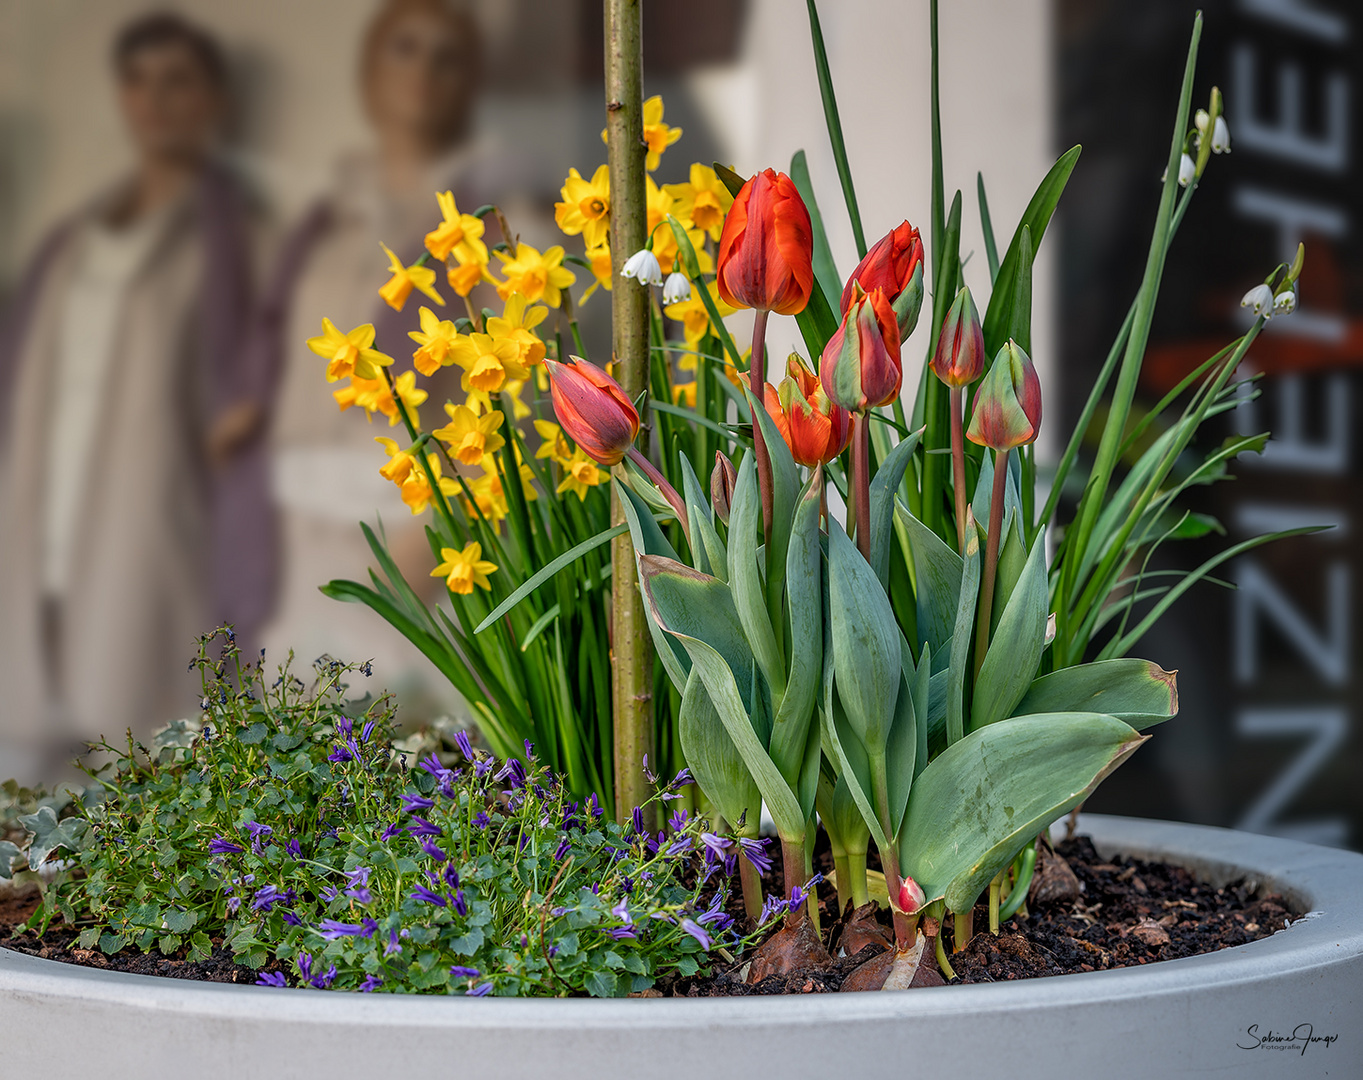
(1137, 692)
(745, 577)
(648, 539)
(709, 548)
(901, 755)
(794, 713)
(1012, 560)
(975, 806)
(984, 489)
(1014, 652)
(866, 652)
(847, 752)
(883, 487)
(937, 579)
(841, 818)
(921, 692)
(712, 757)
(964, 632)
(785, 490)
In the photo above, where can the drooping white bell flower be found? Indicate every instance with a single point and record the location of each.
(643, 265)
(1220, 136)
(677, 288)
(1259, 300)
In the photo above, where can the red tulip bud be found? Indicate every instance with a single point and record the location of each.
(911, 897)
(1008, 402)
(894, 264)
(593, 409)
(722, 482)
(959, 359)
(766, 249)
(860, 367)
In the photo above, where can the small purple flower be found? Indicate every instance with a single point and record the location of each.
(368, 730)
(512, 772)
(272, 978)
(323, 979)
(621, 912)
(483, 766)
(339, 754)
(431, 764)
(433, 850)
(682, 843)
(334, 931)
(482, 820)
(412, 802)
(391, 831)
(460, 972)
(715, 914)
(425, 895)
(294, 848)
(529, 750)
(622, 933)
(461, 740)
(359, 884)
(771, 907)
(649, 774)
(419, 826)
(564, 846)
(755, 851)
(304, 962)
(799, 894)
(265, 899)
(451, 876)
(290, 918)
(716, 845)
(681, 779)
(594, 805)
(458, 902)
(677, 822)
(370, 984)
(220, 845)
(329, 893)
(697, 932)
(636, 818)
(345, 727)
(481, 990)
(392, 947)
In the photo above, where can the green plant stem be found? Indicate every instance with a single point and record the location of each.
(793, 874)
(757, 381)
(994, 887)
(960, 497)
(962, 929)
(663, 485)
(861, 482)
(1018, 895)
(842, 871)
(751, 881)
(942, 962)
(632, 650)
(856, 869)
(991, 558)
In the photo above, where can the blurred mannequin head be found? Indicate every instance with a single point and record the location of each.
(419, 73)
(172, 88)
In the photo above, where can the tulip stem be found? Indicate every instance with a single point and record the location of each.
(958, 467)
(661, 483)
(757, 379)
(861, 482)
(991, 557)
(793, 874)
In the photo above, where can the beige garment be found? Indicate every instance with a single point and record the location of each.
(325, 463)
(135, 597)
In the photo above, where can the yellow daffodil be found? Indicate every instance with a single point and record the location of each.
(371, 395)
(434, 338)
(600, 258)
(693, 316)
(657, 135)
(555, 446)
(406, 472)
(661, 203)
(517, 324)
(462, 570)
(410, 395)
(465, 276)
(685, 393)
(586, 206)
(488, 362)
(488, 499)
(702, 202)
(349, 354)
(535, 275)
(580, 474)
(470, 436)
(405, 279)
(458, 233)
(401, 463)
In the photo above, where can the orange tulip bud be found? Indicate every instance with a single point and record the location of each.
(860, 367)
(766, 250)
(593, 409)
(813, 427)
(959, 359)
(1008, 402)
(889, 265)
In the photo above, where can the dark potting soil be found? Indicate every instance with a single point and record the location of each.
(1083, 914)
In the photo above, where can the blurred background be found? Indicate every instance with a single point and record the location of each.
(186, 189)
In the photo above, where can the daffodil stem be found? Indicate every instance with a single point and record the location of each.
(668, 491)
(961, 499)
(861, 483)
(757, 380)
(991, 557)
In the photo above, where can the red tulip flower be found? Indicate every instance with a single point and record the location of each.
(1007, 403)
(960, 358)
(813, 427)
(593, 409)
(766, 250)
(895, 264)
(860, 367)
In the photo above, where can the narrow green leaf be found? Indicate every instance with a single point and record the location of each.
(1010, 663)
(991, 251)
(1137, 692)
(825, 271)
(830, 113)
(745, 576)
(963, 633)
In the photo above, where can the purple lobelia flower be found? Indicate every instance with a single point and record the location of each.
(458, 902)
(272, 978)
(513, 773)
(304, 963)
(636, 818)
(265, 899)
(368, 730)
(482, 820)
(392, 947)
(564, 846)
(799, 894)
(697, 932)
(461, 972)
(529, 750)
(391, 831)
(419, 826)
(621, 912)
(340, 754)
(649, 774)
(294, 848)
(481, 990)
(290, 918)
(681, 779)
(715, 846)
(715, 914)
(427, 896)
(370, 984)
(680, 844)
(622, 933)
(334, 931)
(771, 907)
(594, 805)
(451, 876)
(412, 802)
(483, 766)
(461, 740)
(433, 850)
(345, 727)
(220, 845)
(677, 821)
(323, 979)
(755, 851)
(359, 884)
(329, 893)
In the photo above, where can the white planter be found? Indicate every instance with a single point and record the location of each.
(1244, 1012)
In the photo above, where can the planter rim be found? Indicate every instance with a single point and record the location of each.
(1323, 881)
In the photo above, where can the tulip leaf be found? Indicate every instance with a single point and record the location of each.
(712, 757)
(984, 489)
(937, 579)
(795, 711)
(976, 805)
(866, 650)
(648, 539)
(841, 818)
(709, 548)
(883, 487)
(1012, 560)
(1137, 692)
(825, 270)
(685, 602)
(1014, 652)
(901, 755)
(991, 251)
(937, 711)
(731, 179)
(963, 633)
(785, 490)
(745, 578)
(845, 749)
(998, 319)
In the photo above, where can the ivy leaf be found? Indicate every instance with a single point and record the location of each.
(50, 834)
